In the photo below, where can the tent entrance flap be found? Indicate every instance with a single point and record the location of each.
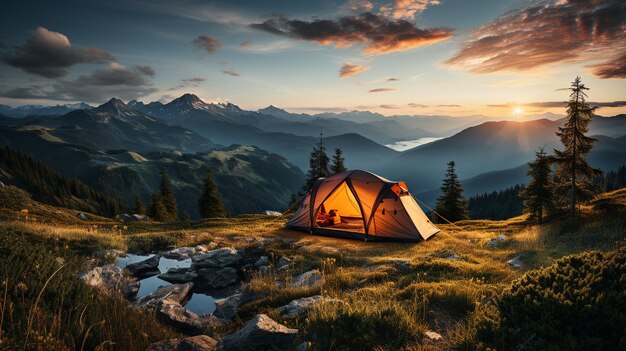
(340, 211)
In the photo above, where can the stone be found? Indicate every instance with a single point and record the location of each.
(179, 317)
(194, 343)
(228, 307)
(501, 237)
(492, 243)
(217, 277)
(453, 257)
(179, 275)
(283, 262)
(433, 336)
(308, 279)
(180, 253)
(177, 293)
(262, 261)
(218, 258)
(109, 254)
(260, 333)
(298, 306)
(81, 216)
(145, 268)
(112, 279)
(515, 262)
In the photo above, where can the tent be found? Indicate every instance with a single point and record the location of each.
(362, 205)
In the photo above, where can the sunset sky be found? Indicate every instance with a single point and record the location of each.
(451, 57)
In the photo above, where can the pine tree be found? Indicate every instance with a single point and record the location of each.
(451, 204)
(338, 166)
(573, 172)
(158, 212)
(539, 194)
(167, 196)
(318, 164)
(139, 206)
(210, 203)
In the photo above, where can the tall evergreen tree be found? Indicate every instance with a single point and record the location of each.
(158, 212)
(139, 206)
(539, 194)
(210, 202)
(451, 204)
(573, 172)
(338, 166)
(318, 164)
(167, 196)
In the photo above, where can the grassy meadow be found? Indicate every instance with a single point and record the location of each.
(393, 295)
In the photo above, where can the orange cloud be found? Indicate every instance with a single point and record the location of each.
(349, 70)
(381, 90)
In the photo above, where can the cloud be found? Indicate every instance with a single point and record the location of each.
(548, 32)
(389, 107)
(189, 82)
(615, 68)
(359, 5)
(350, 70)
(379, 34)
(50, 54)
(381, 90)
(205, 42)
(407, 9)
(392, 79)
(245, 44)
(231, 72)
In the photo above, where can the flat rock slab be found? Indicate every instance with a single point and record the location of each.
(174, 293)
(194, 343)
(260, 333)
(145, 268)
(179, 275)
(308, 279)
(299, 306)
(183, 253)
(218, 258)
(112, 279)
(228, 307)
(182, 319)
(217, 277)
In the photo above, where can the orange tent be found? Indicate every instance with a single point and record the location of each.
(362, 205)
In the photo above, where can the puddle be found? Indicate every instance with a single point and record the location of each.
(200, 304)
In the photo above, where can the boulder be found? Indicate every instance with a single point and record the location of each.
(82, 216)
(283, 262)
(299, 306)
(180, 318)
(109, 254)
(218, 258)
(515, 262)
(145, 268)
(217, 277)
(177, 293)
(180, 253)
(260, 333)
(308, 279)
(433, 336)
(228, 307)
(194, 343)
(262, 261)
(112, 279)
(179, 275)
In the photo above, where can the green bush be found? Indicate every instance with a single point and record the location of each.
(579, 303)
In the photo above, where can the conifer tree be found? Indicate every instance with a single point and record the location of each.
(158, 212)
(451, 204)
(139, 206)
(210, 203)
(167, 196)
(318, 164)
(539, 194)
(338, 166)
(573, 172)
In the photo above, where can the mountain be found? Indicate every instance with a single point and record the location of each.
(38, 110)
(114, 125)
(610, 126)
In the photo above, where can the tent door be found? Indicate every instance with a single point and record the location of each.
(340, 211)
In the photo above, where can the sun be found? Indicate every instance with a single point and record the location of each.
(517, 111)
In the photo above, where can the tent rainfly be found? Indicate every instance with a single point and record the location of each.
(362, 205)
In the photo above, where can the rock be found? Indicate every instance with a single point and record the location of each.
(299, 306)
(260, 333)
(109, 254)
(501, 237)
(218, 258)
(273, 213)
(217, 277)
(262, 261)
(194, 343)
(82, 216)
(180, 253)
(228, 307)
(202, 248)
(492, 243)
(145, 268)
(111, 278)
(308, 279)
(453, 257)
(182, 319)
(174, 293)
(265, 269)
(179, 275)
(433, 336)
(283, 262)
(515, 262)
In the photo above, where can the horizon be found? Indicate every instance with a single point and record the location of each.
(417, 57)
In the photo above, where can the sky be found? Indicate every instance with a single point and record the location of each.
(419, 57)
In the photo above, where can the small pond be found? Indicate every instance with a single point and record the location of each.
(201, 304)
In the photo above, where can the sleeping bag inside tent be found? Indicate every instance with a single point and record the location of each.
(362, 205)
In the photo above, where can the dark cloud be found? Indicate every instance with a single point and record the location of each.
(189, 82)
(350, 70)
(381, 90)
(547, 32)
(379, 34)
(389, 107)
(392, 79)
(231, 72)
(50, 54)
(207, 43)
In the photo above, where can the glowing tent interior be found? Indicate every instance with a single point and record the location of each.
(362, 205)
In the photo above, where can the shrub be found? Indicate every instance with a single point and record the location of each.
(575, 304)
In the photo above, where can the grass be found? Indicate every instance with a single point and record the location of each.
(392, 293)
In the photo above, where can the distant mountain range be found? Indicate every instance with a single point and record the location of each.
(38, 110)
